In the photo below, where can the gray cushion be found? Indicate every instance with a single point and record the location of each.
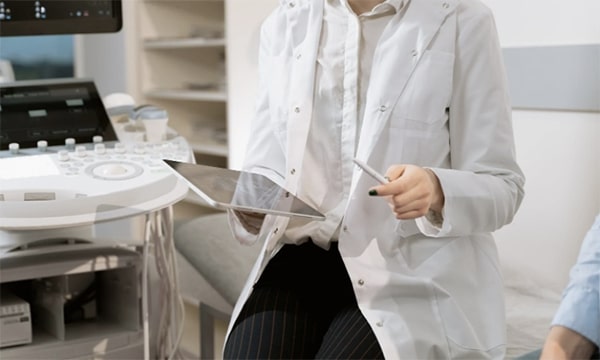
(207, 243)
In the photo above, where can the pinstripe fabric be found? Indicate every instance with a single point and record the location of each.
(303, 307)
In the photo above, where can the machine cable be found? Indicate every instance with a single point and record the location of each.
(170, 329)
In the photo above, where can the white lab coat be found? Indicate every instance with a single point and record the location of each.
(428, 293)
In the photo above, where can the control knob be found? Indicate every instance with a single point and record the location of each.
(80, 151)
(42, 145)
(100, 149)
(70, 143)
(120, 148)
(63, 155)
(14, 148)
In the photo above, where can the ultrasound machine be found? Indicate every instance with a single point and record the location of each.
(85, 207)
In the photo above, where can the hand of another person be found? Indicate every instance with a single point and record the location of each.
(565, 344)
(412, 191)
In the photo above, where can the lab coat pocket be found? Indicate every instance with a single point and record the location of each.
(417, 249)
(428, 92)
(469, 298)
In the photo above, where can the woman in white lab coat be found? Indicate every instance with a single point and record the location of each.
(417, 90)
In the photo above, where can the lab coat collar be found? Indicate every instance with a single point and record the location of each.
(291, 3)
(397, 4)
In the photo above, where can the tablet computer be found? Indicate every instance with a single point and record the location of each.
(241, 190)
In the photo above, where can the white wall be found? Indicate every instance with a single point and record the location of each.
(103, 57)
(558, 151)
(243, 26)
(546, 22)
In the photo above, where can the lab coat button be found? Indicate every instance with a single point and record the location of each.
(382, 108)
(296, 110)
(414, 53)
(291, 4)
(276, 231)
(345, 228)
(298, 56)
(445, 5)
(293, 171)
(361, 282)
(379, 323)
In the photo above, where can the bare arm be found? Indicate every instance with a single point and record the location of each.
(564, 343)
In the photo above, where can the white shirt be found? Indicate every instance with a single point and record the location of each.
(344, 62)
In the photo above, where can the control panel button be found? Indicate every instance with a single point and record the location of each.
(120, 148)
(63, 155)
(14, 148)
(97, 139)
(70, 143)
(80, 151)
(42, 145)
(100, 149)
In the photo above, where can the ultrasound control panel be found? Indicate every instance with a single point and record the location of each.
(36, 114)
(84, 177)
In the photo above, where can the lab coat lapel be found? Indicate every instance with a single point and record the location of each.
(400, 48)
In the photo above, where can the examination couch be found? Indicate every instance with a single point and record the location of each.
(208, 245)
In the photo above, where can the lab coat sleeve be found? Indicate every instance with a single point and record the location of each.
(484, 186)
(264, 153)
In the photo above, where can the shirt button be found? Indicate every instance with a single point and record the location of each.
(414, 53)
(293, 171)
(291, 4)
(382, 108)
(298, 56)
(296, 109)
(361, 282)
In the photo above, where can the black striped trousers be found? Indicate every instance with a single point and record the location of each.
(302, 307)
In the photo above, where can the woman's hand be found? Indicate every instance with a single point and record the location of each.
(412, 192)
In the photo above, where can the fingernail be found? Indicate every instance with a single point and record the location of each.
(373, 192)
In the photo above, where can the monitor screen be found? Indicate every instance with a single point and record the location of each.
(52, 110)
(44, 17)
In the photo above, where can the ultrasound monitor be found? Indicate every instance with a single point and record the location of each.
(44, 17)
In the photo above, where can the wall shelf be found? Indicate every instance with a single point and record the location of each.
(180, 67)
(182, 43)
(184, 94)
